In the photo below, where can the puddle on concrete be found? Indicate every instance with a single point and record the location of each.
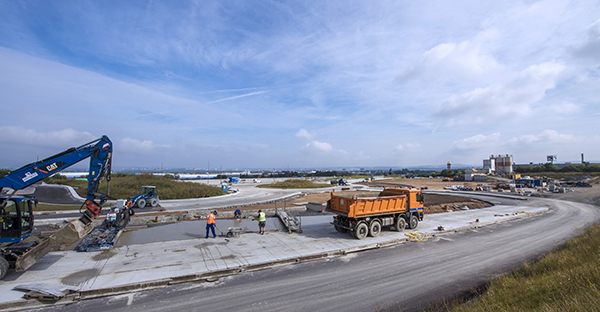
(79, 277)
(103, 255)
(191, 230)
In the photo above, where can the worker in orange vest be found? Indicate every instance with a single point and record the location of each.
(210, 223)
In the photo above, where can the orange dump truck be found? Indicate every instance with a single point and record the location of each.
(395, 207)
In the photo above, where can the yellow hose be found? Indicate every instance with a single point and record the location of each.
(416, 236)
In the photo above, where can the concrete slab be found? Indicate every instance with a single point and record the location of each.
(179, 252)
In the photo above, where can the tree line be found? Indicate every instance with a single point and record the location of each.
(550, 167)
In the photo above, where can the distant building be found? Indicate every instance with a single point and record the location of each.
(475, 175)
(500, 165)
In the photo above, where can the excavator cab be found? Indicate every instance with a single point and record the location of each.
(16, 218)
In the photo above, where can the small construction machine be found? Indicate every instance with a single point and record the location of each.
(147, 197)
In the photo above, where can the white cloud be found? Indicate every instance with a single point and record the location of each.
(565, 108)
(467, 59)
(65, 137)
(476, 142)
(317, 146)
(408, 147)
(135, 145)
(546, 137)
(504, 100)
(591, 47)
(305, 134)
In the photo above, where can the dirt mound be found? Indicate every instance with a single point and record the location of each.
(442, 203)
(595, 180)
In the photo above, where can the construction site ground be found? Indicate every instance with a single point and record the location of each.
(142, 260)
(145, 261)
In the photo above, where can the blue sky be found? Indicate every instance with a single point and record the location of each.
(301, 84)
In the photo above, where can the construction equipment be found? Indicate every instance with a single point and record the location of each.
(341, 181)
(362, 216)
(147, 197)
(16, 211)
(105, 235)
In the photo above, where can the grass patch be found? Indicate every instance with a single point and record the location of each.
(567, 279)
(125, 187)
(295, 184)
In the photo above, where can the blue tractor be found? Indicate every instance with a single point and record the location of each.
(147, 197)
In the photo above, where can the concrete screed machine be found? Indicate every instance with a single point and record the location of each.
(17, 249)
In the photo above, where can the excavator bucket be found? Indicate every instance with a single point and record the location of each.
(30, 257)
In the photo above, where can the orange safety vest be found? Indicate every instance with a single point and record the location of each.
(210, 219)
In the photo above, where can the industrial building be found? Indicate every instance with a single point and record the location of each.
(499, 165)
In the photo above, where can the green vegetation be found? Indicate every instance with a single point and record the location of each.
(4, 172)
(295, 184)
(567, 279)
(125, 186)
(549, 167)
(560, 175)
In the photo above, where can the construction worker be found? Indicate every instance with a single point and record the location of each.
(262, 221)
(237, 214)
(210, 223)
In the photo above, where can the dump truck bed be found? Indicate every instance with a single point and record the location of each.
(355, 207)
(389, 201)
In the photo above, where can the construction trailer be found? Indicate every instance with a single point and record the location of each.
(362, 216)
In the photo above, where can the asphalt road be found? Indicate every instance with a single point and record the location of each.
(409, 277)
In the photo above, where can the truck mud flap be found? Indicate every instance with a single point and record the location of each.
(29, 258)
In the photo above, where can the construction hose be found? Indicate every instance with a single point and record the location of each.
(416, 236)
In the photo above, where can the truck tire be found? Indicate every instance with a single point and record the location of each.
(375, 228)
(141, 203)
(400, 224)
(153, 202)
(3, 267)
(413, 222)
(361, 230)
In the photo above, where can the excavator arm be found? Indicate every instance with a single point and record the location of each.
(100, 153)
(16, 222)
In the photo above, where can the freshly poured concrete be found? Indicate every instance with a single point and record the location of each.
(179, 252)
(192, 229)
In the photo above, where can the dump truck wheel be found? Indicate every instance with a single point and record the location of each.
(414, 222)
(361, 231)
(400, 224)
(141, 203)
(153, 202)
(3, 267)
(375, 228)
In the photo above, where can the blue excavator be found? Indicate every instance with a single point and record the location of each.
(16, 211)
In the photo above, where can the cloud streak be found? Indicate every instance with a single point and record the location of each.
(386, 83)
